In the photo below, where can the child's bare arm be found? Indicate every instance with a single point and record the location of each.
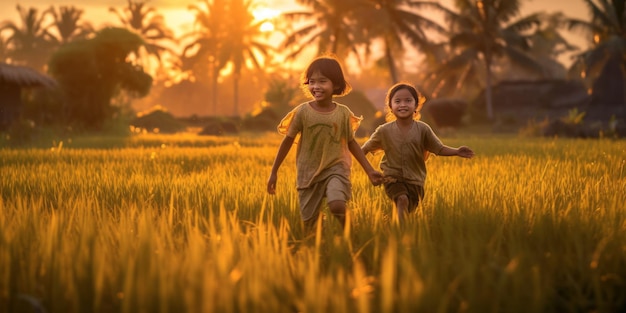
(462, 151)
(283, 150)
(375, 176)
(365, 149)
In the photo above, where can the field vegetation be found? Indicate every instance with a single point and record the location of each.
(163, 223)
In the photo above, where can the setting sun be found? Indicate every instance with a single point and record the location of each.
(267, 15)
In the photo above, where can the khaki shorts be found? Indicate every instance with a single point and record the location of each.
(415, 193)
(333, 188)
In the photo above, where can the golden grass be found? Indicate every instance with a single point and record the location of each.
(171, 224)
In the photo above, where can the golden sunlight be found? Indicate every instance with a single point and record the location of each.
(266, 15)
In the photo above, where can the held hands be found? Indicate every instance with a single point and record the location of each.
(465, 152)
(376, 177)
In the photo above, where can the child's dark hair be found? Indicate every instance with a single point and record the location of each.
(419, 100)
(329, 67)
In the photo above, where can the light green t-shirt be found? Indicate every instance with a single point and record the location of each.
(323, 142)
(404, 153)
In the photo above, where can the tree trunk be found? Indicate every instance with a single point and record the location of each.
(214, 96)
(391, 64)
(488, 96)
(214, 79)
(236, 94)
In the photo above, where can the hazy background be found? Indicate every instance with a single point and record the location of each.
(180, 18)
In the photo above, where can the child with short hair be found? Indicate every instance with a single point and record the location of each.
(326, 141)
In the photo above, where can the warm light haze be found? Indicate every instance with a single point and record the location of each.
(180, 19)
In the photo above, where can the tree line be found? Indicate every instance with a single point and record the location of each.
(479, 43)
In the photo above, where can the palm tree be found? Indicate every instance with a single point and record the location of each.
(4, 49)
(548, 45)
(228, 35)
(207, 39)
(604, 63)
(148, 24)
(396, 22)
(68, 25)
(28, 42)
(482, 33)
(244, 43)
(329, 24)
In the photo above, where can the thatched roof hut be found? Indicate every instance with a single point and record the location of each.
(12, 79)
(24, 76)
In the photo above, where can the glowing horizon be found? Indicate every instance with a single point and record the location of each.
(180, 19)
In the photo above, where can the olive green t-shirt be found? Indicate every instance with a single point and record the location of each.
(323, 142)
(404, 153)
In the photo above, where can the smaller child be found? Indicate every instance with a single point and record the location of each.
(406, 142)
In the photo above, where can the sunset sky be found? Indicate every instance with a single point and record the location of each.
(175, 12)
(179, 18)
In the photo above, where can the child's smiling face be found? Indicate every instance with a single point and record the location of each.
(320, 87)
(403, 104)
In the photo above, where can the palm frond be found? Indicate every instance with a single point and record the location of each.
(522, 59)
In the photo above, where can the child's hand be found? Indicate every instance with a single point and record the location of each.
(389, 179)
(271, 184)
(376, 178)
(465, 152)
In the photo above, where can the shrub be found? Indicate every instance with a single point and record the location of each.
(159, 120)
(22, 132)
(445, 112)
(219, 127)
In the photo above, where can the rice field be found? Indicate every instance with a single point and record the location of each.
(183, 224)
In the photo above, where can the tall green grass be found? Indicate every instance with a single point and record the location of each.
(171, 224)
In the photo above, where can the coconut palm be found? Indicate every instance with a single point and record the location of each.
(204, 57)
(548, 45)
(228, 35)
(67, 24)
(4, 48)
(328, 24)
(148, 24)
(482, 33)
(244, 45)
(604, 63)
(28, 42)
(396, 22)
